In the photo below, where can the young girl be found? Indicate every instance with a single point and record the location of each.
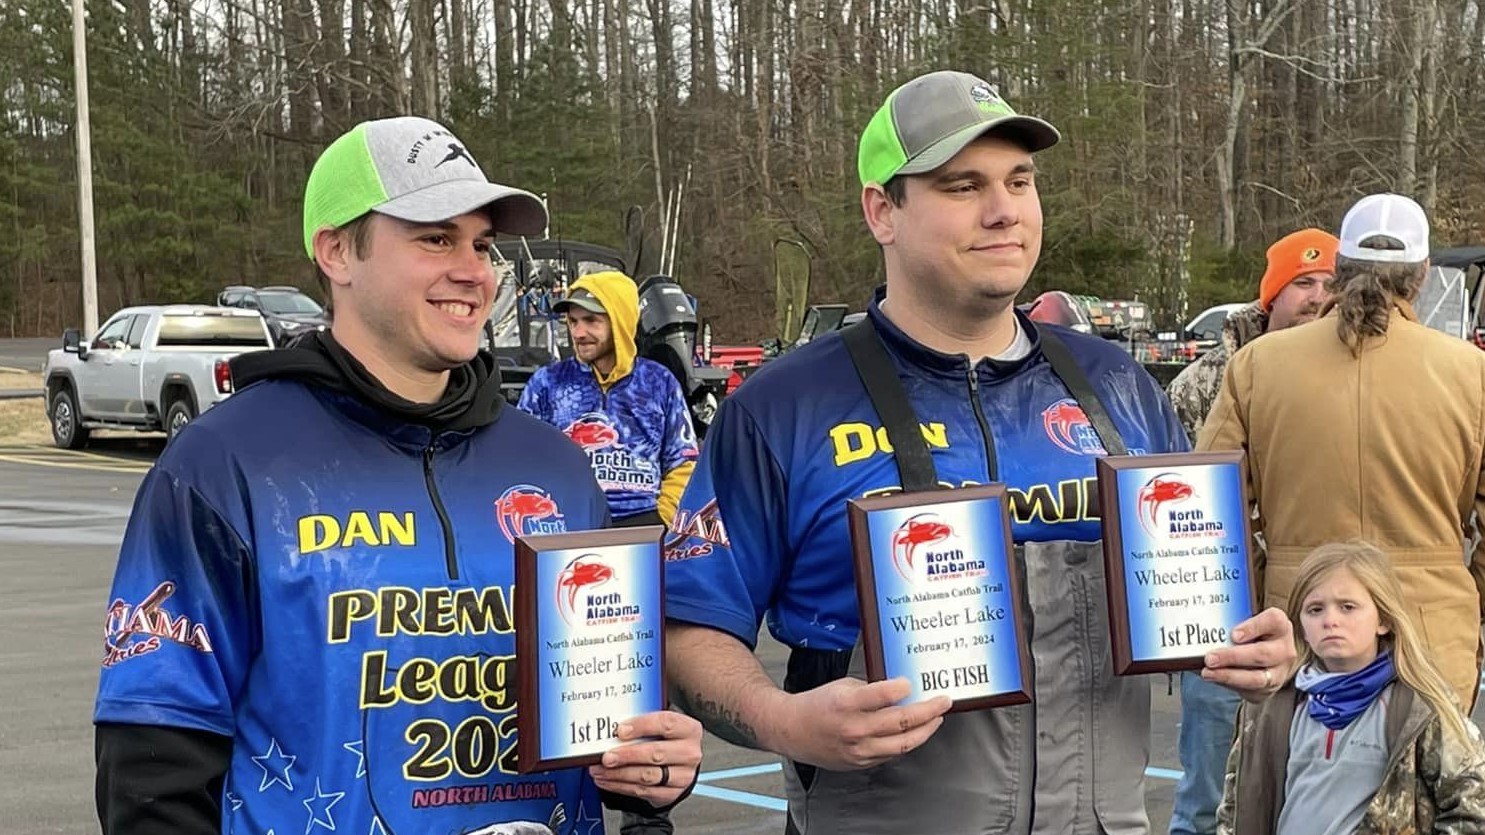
(1366, 738)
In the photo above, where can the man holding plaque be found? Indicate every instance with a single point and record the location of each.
(311, 624)
(949, 192)
(1291, 292)
(1368, 424)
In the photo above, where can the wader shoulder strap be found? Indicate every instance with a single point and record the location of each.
(1071, 374)
(890, 400)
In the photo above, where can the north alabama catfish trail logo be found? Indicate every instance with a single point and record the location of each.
(1069, 429)
(1167, 508)
(914, 555)
(592, 432)
(130, 631)
(525, 510)
(577, 600)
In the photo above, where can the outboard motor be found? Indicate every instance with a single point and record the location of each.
(667, 334)
(667, 328)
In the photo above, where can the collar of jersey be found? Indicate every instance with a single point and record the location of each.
(408, 437)
(924, 358)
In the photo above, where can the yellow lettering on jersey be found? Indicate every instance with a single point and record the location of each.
(322, 532)
(859, 441)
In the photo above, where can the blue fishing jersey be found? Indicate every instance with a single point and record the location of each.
(762, 528)
(332, 589)
(634, 433)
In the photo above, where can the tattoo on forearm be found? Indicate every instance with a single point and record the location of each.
(718, 719)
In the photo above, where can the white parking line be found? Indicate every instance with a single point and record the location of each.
(778, 804)
(104, 464)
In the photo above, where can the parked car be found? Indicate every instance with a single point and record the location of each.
(1206, 328)
(148, 369)
(287, 310)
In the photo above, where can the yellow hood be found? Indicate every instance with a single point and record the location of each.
(620, 297)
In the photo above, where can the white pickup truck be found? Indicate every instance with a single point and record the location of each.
(148, 368)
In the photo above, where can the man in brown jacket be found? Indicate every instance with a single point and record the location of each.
(1367, 424)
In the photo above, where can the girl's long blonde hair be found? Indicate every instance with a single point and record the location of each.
(1373, 571)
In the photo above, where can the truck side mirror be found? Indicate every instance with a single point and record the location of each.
(72, 341)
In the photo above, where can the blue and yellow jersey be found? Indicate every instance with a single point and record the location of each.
(333, 591)
(634, 432)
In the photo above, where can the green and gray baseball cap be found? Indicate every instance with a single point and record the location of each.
(580, 298)
(928, 120)
(412, 169)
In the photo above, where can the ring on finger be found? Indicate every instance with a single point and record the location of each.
(664, 776)
(1268, 678)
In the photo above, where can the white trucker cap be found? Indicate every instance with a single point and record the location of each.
(1392, 215)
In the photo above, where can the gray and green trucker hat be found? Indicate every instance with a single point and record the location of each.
(412, 169)
(928, 120)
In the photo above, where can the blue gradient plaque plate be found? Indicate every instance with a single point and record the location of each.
(1176, 557)
(939, 590)
(590, 641)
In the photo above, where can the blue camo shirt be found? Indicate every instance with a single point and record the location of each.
(634, 433)
(761, 530)
(286, 581)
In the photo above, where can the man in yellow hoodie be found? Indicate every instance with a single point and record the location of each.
(626, 412)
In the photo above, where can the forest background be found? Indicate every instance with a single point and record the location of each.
(1195, 131)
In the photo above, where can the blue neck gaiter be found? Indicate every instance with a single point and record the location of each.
(1336, 699)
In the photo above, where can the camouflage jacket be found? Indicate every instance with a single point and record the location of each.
(1194, 390)
(1434, 783)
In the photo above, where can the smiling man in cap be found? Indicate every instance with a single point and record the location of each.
(311, 626)
(948, 190)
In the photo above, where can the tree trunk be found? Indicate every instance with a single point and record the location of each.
(456, 27)
(386, 71)
(1428, 104)
(1420, 41)
(424, 98)
(329, 74)
(765, 92)
(665, 82)
(1237, 94)
(505, 65)
(357, 102)
(300, 54)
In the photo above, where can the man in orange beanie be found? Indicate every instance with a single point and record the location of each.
(1293, 287)
(1292, 292)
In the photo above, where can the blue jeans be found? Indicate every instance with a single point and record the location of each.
(1208, 717)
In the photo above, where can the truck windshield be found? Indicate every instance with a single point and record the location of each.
(217, 331)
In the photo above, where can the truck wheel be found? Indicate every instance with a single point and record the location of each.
(67, 429)
(180, 413)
